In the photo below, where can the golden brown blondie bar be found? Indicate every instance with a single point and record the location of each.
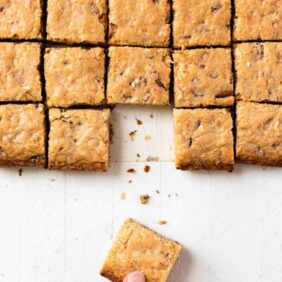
(203, 77)
(259, 71)
(259, 134)
(22, 135)
(79, 139)
(74, 76)
(139, 76)
(138, 248)
(257, 19)
(203, 139)
(201, 23)
(20, 19)
(76, 21)
(19, 72)
(141, 23)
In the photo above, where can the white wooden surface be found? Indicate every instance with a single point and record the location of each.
(58, 227)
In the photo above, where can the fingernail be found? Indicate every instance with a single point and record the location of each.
(136, 277)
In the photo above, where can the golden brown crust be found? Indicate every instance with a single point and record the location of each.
(259, 134)
(203, 139)
(259, 71)
(138, 76)
(22, 135)
(138, 248)
(19, 74)
(74, 76)
(142, 23)
(203, 77)
(20, 19)
(200, 22)
(76, 21)
(79, 139)
(257, 19)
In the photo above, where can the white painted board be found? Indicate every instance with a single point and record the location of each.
(58, 226)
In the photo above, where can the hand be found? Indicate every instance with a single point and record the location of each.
(134, 277)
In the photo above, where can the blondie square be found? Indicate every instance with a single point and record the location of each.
(20, 19)
(74, 76)
(19, 72)
(76, 21)
(22, 135)
(259, 134)
(139, 248)
(139, 76)
(142, 23)
(203, 77)
(201, 22)
(257, 19)
(259, 71)
(79, 139)
(203, 139)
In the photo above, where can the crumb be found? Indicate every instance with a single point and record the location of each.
(112, 133)
(169, 195)
(147, 137)
(20, 172)
(139, 122)
(138, 155)
(131, 170)
(152, 159)
(151, 116)
(157, 191)
(144, 199)
(122, 196)
(161, 222)
(52, 180)
(176, 194)
(147, 168)
(129, 181)
(132, 134)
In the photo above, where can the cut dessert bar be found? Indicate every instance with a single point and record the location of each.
(200, 22)
(257, 19)
(139, 248)
(76, 21)
(19, 72)
(203, 77)
(79, 139)
(22, 135)
(20, 19)
(139, 76)
(142, 23)
(259, 71)
(259, 134)
(203, 139)
(74, 76)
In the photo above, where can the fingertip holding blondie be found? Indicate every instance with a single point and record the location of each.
(79, 139)
(139, 76)
(203, 77)
(22, 135)
(21, 19)
(139, 23)
(203, 139)
(258, 20)
(201, 23)
(19, 72)
(137, 248)
(74, 76)
(259, 71)
(77, 21)
(259, 134)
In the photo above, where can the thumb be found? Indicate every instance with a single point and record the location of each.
(135, 277)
